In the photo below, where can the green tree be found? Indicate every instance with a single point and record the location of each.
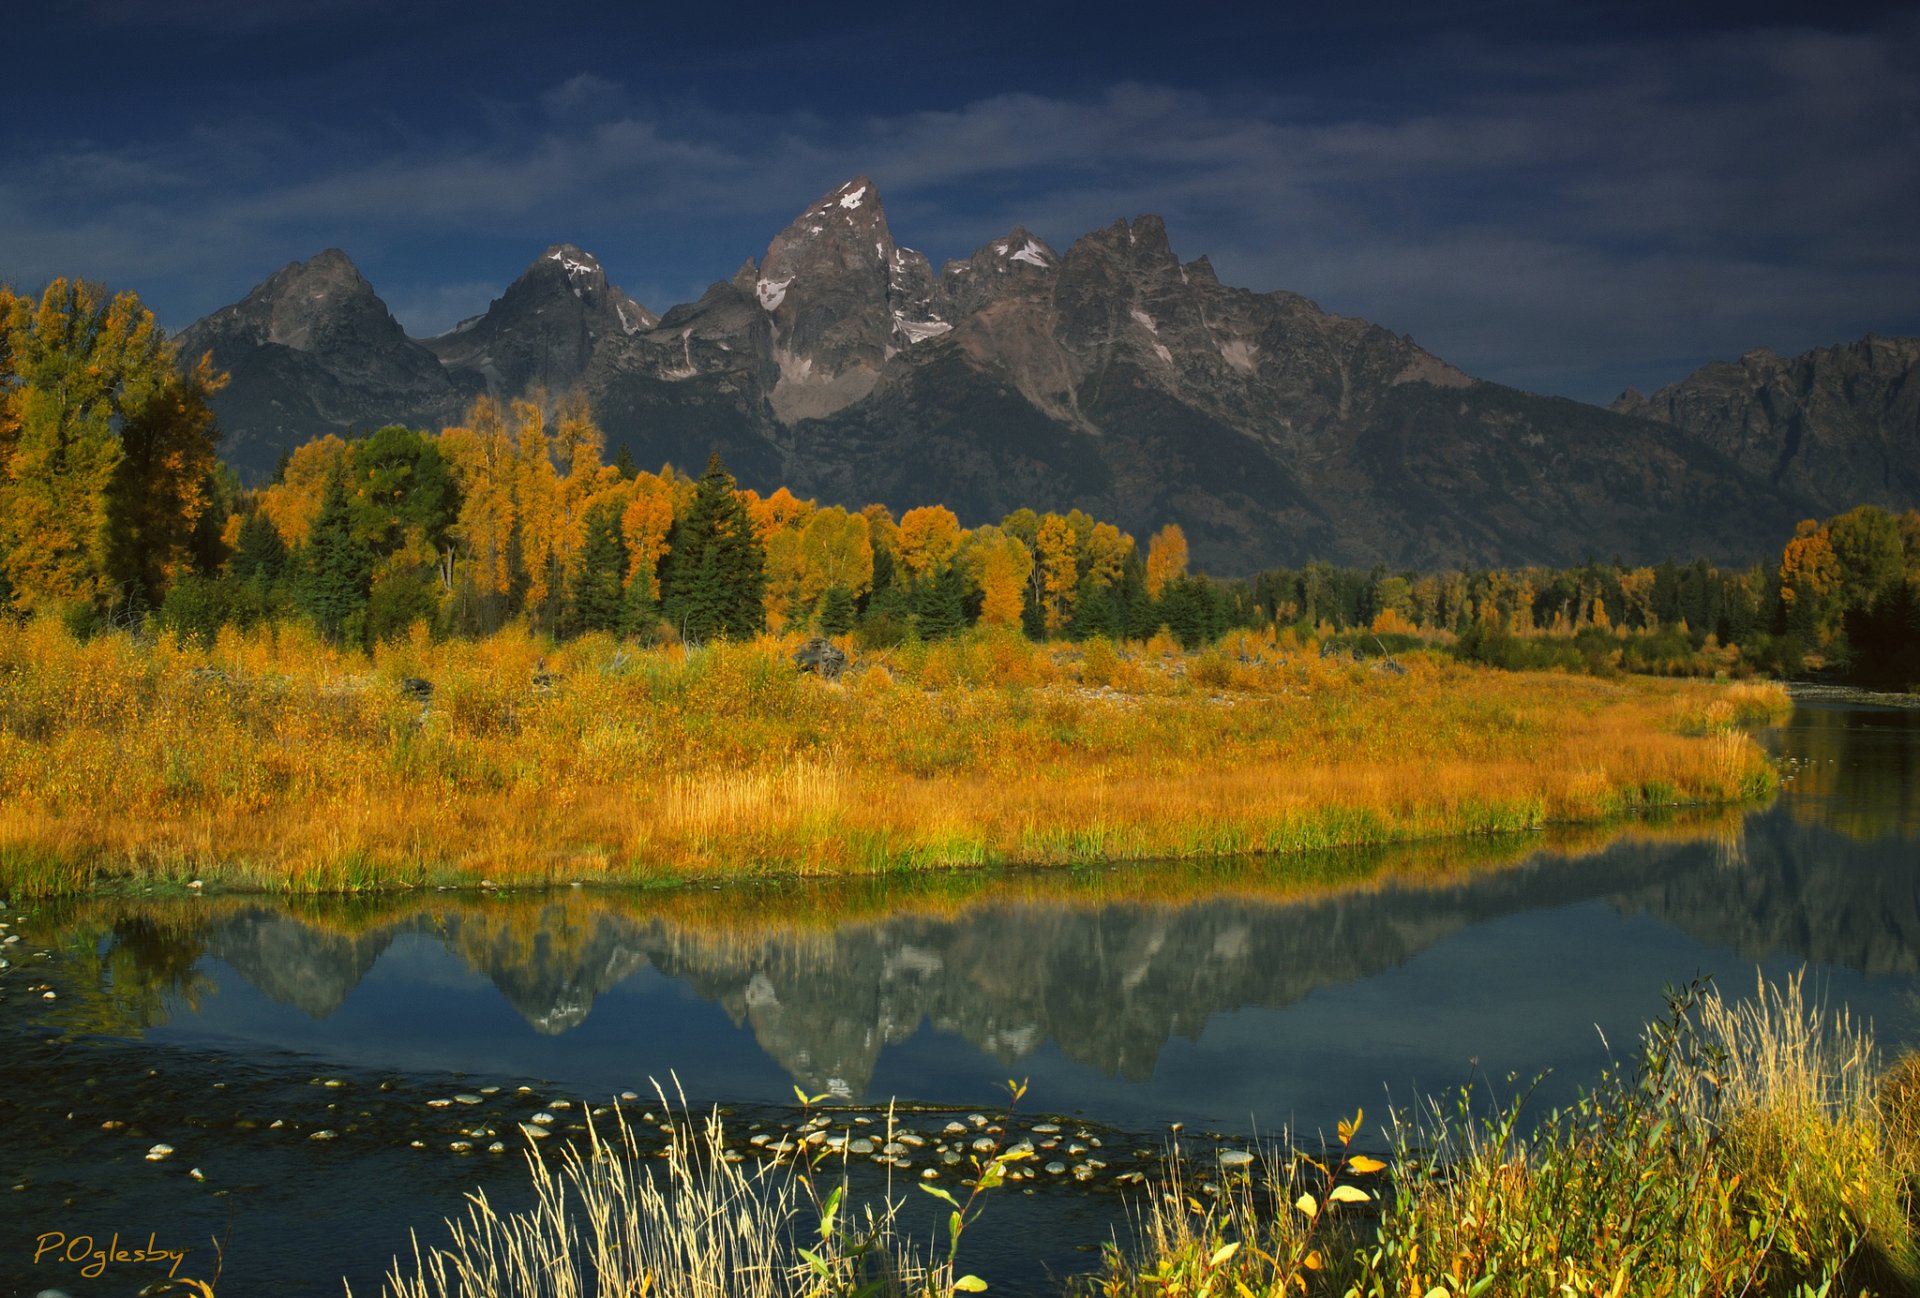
(163, 485)
(598, 593)
(835, 615)
(716, 567)
(939, 603)
(336, 570)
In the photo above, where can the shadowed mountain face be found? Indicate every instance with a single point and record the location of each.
(543, 332)
(1113, 377)
(313, 351)
(1837, 425)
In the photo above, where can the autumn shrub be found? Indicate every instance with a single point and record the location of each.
(1098, 662)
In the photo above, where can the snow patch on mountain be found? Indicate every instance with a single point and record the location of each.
(918, 331)
(772, 292)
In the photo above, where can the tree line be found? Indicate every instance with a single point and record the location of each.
(114, 508)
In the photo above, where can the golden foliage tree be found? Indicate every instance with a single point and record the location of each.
(929, 538)
(836, 550)
(1166, 558)
(84, 379)
(646, 520)
(1059, 562)
(293, 503)
(1000, 564)
(485, 464)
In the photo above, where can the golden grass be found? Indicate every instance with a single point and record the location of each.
(273, 761)
(1755, 1150)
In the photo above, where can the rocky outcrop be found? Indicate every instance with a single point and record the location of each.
(312, 350)
(1838, 425)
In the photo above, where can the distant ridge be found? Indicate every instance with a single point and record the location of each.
(1112, 377)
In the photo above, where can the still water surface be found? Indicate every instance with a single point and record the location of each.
(1237, 999)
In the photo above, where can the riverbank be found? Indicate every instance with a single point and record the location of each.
(272, 761)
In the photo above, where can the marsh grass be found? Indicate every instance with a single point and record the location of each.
(608, 1222)
(270, 760)
(1754, 1149)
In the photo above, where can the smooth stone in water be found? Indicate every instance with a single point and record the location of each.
(1233, 1159)
(1056, 1168)
(159, 1151)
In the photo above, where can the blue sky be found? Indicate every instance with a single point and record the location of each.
(1571, 199)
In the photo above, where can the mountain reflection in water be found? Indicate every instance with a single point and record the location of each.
(1104, 968)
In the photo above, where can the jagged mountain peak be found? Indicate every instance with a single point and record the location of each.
(1107, 375)
(1839, 425)
(544, 330)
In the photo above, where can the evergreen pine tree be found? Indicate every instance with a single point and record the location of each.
(1094, 613)
(597, 594)
(336, 569)
(1187, 607)
(939, 604)
(836, 611)
(639, 612)
(716, 566)
(258, 551)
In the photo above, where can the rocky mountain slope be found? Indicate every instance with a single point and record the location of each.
(1837, 425)
(1112, 377)
(311, 351)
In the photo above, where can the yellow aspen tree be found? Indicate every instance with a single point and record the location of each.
(293, 503)
(1809, 571)
(584, 483)
(929, 538)
(645, 523)
(778, 512)
(1059, 571)
(537, 489)
(836, 549)
(1103, 554)
(485, 464)
(1000, 564)
(1166, 558)
(74, 366)
(1636, 595)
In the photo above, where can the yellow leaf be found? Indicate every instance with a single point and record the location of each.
(1305, 1203)
(1362, 1164)
(1313, 1261)
(1348, 1194)
(1224, 1252)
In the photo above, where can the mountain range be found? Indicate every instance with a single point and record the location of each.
(1112, 377)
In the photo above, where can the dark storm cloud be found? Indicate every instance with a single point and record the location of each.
(1568, 215)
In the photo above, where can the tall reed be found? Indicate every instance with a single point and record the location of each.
(1754, 1149)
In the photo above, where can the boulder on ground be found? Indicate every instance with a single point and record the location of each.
(822, 656)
